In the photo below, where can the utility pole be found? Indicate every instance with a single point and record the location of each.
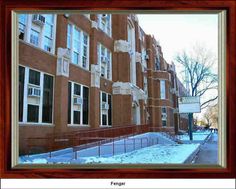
(190, 126)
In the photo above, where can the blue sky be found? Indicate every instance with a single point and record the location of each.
(176, 32)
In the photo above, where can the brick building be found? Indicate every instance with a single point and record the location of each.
(82, 71)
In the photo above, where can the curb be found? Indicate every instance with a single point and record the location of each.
(192, 156)
(207, 138)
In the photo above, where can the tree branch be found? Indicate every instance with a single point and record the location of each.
(209, 101)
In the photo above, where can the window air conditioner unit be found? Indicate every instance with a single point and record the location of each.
(146, 57)
(66, 15)
(33, 91)
(163, 116)
(39, 19)
(104, 15)
(105, 106)
(104, 59)
(78, 100)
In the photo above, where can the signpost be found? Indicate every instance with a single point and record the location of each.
(190, 105)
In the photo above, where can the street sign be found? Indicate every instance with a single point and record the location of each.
(189, 104)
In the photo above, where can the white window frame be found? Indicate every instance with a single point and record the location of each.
(72, 105)
(162, 89)
(101, 110)
(107, 23)
(108, 55)
(25, 100)
(81, 45)
(30, 25)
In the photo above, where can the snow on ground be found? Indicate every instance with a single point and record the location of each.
(163, 152)
(171, 154)
(157, 154)
(197, 136)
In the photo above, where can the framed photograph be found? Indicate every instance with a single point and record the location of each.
(127, 89)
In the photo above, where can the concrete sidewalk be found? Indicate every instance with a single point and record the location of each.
(208, 153)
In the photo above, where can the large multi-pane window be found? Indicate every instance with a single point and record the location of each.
(35, 96)
(105, 109)
(163, 89)
(78, 102)
(104, 60)
(78, 44)
(104, 23)
(41, 30)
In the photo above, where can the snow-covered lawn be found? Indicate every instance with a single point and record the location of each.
(155, 149)
(157, 154)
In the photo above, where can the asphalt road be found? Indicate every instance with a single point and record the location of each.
(208, 153)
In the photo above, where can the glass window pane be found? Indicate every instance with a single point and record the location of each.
(21, 91)
(163, 89)
(47, 44)
(104, 119)
(163, 123)
(109, 110)
(34, 77)
(75, 58)
(33, 113)
(48, 30)
(49, 18)
(47, 99)
(76, 34)
(77, 89)
(69, 103)
(22, 18)
(69, 36)
(34, 37)
(163, 110)
(85, 105)
(76, 45)
(104, 97)
(76, 117)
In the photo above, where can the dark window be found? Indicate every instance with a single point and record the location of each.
(104, 97)
(76, 89)
(47, 99)
(34, 77)
(163, 110)
(157, 63)
(69, 103)
(104, 119)
(76, 117)
(109, 110)
(163, 123)
(85, 105)
(21, 35)
(21, 91)
(33, 113)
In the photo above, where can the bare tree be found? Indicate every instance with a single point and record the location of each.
(211, 116)
(198, 70)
